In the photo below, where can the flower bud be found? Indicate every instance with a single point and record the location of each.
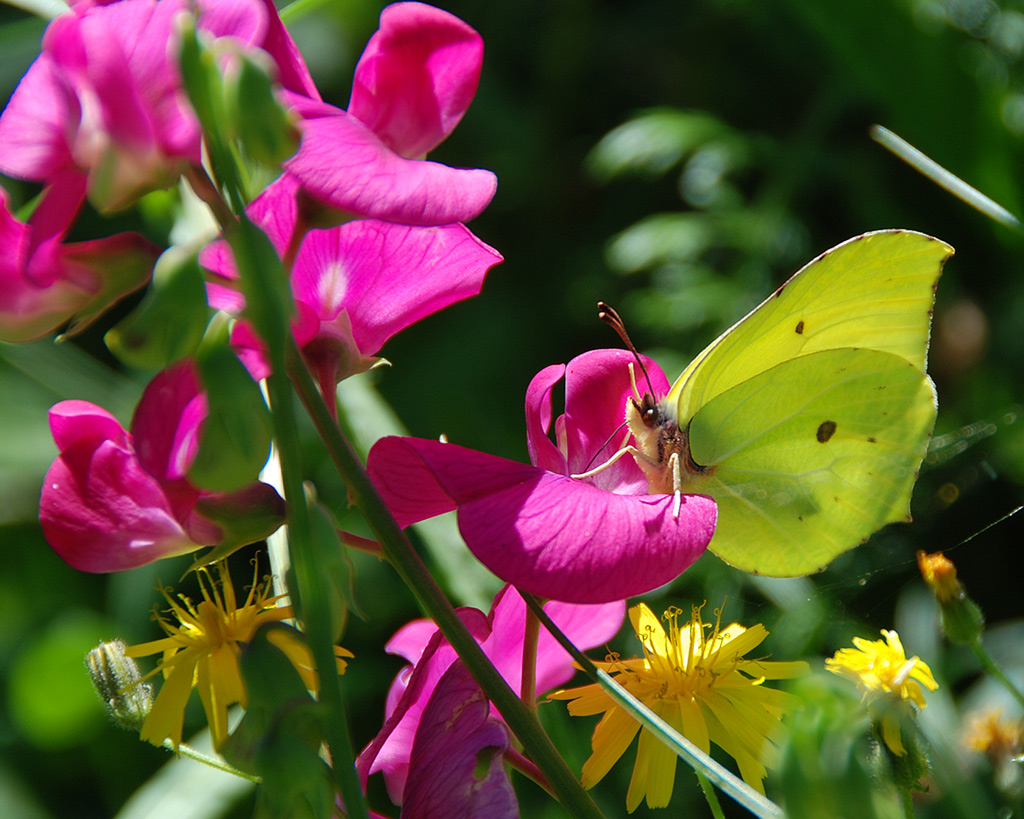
(117, 680)
(962, 620)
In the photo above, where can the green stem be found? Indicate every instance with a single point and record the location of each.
(710, 795)
(217, 763)
(908, 802)
(754, 801)
(262, 283)
(528, 687)
(993, 668)
(400, 553)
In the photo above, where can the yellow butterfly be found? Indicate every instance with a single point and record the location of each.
(808, 419)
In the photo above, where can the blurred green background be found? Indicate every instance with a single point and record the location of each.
(678, 160)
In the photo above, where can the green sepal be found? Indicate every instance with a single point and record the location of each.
(280, 735)
(168, 324)
(204, 84)
(337, 567)
(262, 125)
(962, 620)
(237, 432)
(245, 516)
(829, 765)
(268, 297)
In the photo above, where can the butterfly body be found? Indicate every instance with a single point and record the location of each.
(808, 419)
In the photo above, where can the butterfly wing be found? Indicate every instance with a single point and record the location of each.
(874, 291)
(812, 456)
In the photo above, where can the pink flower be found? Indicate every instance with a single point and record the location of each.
(115, 500)
(584, 540)
(456, 766)
(412, 85)
(356, 285)
(44, 284)
(104, 97)
(500, 635)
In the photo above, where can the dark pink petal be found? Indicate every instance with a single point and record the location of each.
(553, 536)
(456, 769)
(101, 512)
(543, 453)
(416, 77)
(344, 164)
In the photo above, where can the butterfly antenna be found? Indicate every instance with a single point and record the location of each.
(601, 449)
(614, 320)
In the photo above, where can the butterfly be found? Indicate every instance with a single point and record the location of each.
(808, 419)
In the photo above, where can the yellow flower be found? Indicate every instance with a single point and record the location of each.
(887, 676)
(694, 678)
(991, 733)
(201, 651)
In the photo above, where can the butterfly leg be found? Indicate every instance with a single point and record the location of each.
(677, 484)
(626, 450)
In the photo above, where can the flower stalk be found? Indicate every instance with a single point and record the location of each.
(397, 549)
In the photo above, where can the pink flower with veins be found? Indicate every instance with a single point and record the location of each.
(114, 500)
(104, 98)
(412, 85)
(583, 540)
(58, 282)
(355, 285)
(500, 635)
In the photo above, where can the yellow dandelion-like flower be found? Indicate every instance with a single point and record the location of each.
(991, 733)
(201, 650)
(695, 678)
(882, 670)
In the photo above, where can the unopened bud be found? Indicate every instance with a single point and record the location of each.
(119, 683)
(962, 620)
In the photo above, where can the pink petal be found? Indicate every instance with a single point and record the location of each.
(597, 391)
(543, 453)
(167, 421)
(456, 768)
(292, 72)
(101, 512)
(416, 77)
(553, 536)
(74, 421)
(166, 428)
(366, 268)
(389, 751)
(343, 163)
(587, 626)
(36, 128)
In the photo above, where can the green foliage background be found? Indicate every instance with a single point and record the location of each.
(751, 156)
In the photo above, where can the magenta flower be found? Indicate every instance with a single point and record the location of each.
(356, 285)
(114, 500)
(584, 540)
(44, 284)
(412, 85)
(456, 766)
(500, 635)
(104, 98)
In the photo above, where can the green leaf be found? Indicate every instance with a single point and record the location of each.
(279, 737)
(169, 323)
(237, 431)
